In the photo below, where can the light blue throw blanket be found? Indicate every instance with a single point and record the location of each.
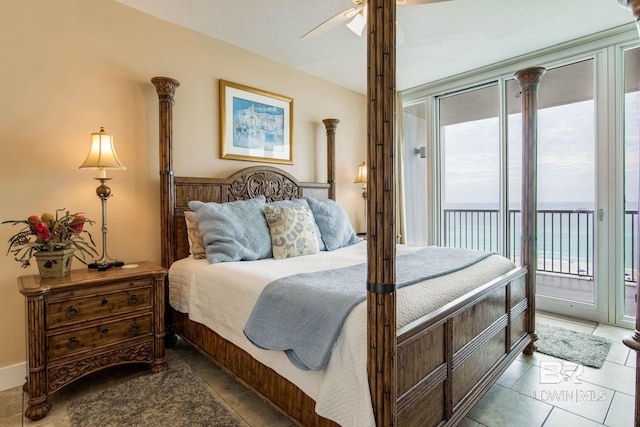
(303, 314)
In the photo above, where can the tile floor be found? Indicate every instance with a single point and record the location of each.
(530, 393)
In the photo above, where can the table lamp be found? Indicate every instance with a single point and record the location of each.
(361, 178)
(102, 156)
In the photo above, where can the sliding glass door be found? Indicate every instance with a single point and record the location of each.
(567, 222)
(480, 180)
(467, 192)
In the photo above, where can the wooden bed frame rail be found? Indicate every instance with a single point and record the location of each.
(454, 354)
(428, 373)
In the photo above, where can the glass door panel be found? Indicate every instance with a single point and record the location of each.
(566, 185)
(514, 167)
(469, 137)
(631, 156)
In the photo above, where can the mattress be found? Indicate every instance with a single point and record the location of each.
(221, 296)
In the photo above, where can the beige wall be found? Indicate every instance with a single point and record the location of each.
(71, 66)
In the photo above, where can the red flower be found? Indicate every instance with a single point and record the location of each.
(77, 224)
(42, 230)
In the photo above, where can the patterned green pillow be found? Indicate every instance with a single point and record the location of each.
(292, 231)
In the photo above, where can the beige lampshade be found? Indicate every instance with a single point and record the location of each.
(362, 174)
(102, 155)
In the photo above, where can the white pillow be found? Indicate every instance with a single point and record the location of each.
(196, 244)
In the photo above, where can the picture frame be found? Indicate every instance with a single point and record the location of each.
(255, 125)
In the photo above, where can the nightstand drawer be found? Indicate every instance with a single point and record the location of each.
(83, 308)
(97, 336)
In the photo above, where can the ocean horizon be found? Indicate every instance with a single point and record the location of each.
(630, 205)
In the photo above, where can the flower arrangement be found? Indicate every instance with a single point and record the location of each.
(51, 233)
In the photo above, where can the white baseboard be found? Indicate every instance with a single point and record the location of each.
(12, 376)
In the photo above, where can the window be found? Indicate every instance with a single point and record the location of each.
(588, 145)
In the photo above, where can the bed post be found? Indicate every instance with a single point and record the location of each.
(529, 79)
(331, 125)
(381, 240)
(633, 341)
(166, 87)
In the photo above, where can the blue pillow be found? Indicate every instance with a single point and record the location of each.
(299, 202)
(335, 228)
(234, 231)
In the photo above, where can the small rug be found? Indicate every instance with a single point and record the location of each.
(586, 349)
(176, 397)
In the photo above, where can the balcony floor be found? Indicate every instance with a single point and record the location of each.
(581, 289)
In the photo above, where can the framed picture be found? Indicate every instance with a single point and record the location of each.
(255, 125)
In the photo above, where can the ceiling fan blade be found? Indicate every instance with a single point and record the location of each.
(357, 15)
(415, 2)
(332, 22)
(359, 21)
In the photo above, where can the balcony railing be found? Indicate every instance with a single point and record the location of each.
(565, 237)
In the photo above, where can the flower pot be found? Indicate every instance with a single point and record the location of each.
(54, 263)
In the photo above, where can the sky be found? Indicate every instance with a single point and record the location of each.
(566, 157)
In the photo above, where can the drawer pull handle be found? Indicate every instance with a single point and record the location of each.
(73, 343)
(134, 328)
(72, 312)
(104, 301)
(133, 299)
(105, 331)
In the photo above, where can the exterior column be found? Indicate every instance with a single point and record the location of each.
(166, 87)
(381, 226)
(529, 79)
(331, 125)
(633, 341)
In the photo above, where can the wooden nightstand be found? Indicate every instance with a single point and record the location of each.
(90, 320)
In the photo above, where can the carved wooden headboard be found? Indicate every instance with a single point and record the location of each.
(274, 183)
(176, 192)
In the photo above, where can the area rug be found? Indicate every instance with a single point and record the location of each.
(176, 397)
(586, 349)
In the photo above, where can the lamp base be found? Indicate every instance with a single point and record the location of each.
(104, 266)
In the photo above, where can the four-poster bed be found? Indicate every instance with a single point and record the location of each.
(428, 372)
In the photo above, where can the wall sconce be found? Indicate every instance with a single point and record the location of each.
(421, 151)
(102, 156)
(361, 178)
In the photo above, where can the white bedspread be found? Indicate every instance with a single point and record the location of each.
(221, 296)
